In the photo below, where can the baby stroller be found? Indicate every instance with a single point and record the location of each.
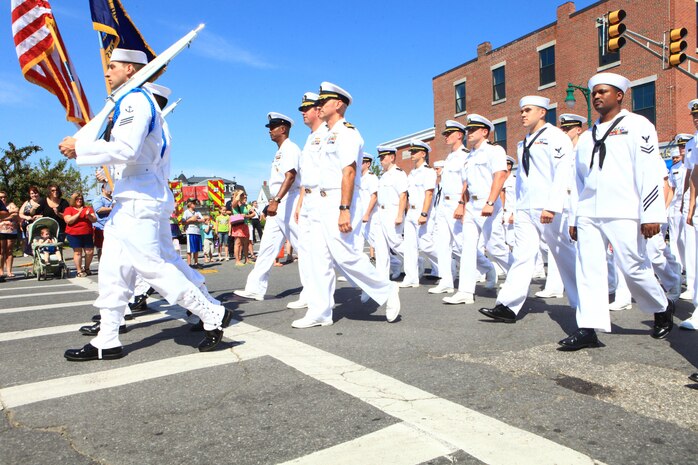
(54, 266)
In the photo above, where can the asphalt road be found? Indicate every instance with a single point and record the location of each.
(439, 386)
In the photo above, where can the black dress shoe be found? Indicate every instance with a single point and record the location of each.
(90, 352)
(693, 377)
(663, 322)
(139, 303)
(211, 340)
(197, 327)
(94, 329)
(150, 291)
(581, 339)
(127, 317)
(500, 313)
(227, 316)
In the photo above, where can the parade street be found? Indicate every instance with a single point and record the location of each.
(439, 386)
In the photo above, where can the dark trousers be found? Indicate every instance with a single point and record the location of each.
(256, 230)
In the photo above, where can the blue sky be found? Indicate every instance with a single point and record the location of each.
(256, 57)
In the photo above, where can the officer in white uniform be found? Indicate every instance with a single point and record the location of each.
(691, 160)
(421, 184)
(619, 185)
(369, 199)
(679, 184)
(485, 174)
(542, 184)
(280, 225)
(448, 230)
(392, 199)
(137, 141)
(334, 236)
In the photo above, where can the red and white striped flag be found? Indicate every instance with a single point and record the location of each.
(43, 58)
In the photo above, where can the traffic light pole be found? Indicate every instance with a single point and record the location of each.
(635, 38)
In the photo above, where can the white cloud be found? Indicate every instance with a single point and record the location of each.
(217, 47)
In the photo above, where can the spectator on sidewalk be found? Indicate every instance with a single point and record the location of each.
(192, 219)
(102, 207)
(207, 234)
(27, 215)
(53, 206)
(239, 226)
(9, 231)
(256, 223)
(79, 231)
(222, 225)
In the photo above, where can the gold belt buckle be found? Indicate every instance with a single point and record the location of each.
(412, 207)
(447, 197)
(323, 193)
(474, 197)
(308, 191)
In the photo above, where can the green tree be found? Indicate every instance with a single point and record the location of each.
(17, 173)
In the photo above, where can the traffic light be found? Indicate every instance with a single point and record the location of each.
(616, 28)
(677, 45)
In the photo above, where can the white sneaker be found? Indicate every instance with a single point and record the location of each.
(539, 275)
(392, 305)
(686, 295)
(405, 284)
(248, 295)
(491, 278)
(365, 297)
(307, 322)
(545, 294)
(341, 279)
(439, 289)
(459, 298)
(691, 323)
(297, 304)
(617, 306)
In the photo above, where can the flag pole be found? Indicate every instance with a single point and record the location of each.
(103, 56)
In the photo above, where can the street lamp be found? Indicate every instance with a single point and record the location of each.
(570, 100)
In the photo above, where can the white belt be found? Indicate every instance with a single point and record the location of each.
(136, 170)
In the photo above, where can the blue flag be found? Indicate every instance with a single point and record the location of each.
(116, 29)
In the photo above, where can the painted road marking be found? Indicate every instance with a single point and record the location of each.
(32, 308)
(39, 294)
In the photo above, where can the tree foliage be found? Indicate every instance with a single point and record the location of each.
(17, 173)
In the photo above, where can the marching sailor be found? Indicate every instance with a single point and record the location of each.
(138, 141)
(619, 184)
(369, 198)
(421, 184)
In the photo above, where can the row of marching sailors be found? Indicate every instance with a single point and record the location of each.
(597, 198)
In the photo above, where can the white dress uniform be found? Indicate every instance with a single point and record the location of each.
(448, 231)
(690, 161)
(543, 187)
(482, 164)
(420, 180)
(677, 229)
(369, 186)
(509, 208)
(132, 233)
(613, 202)
(280, 227)
(391, 185)
(342, 146)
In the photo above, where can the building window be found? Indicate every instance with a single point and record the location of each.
(644, 101)
(551, 116)
(460, 97)
(546, 58)
(608, 57)
(498, 84)
(500, 134)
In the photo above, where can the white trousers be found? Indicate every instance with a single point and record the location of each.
(616, 280)
(529, 233)
(691, 262)
(132, 246)
(388, 237)
(332, 248)
(553, 280)
(417, 239)
(677, 236)
(277, 230)
(665, 266)
(448, 237)
(630, 253)
(370, 229)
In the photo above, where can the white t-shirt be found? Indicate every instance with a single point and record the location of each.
(192, 228)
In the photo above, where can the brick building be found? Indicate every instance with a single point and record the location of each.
(544, 61)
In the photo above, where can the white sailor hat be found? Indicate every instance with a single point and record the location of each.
(568, 120)
(309, 101)
(157, 89)
(453, 126)
(511, 160)
(612, 79)
(439, 164)
(329, 91)
(383, 151)
(682, 138)
(418, 146)
(123, 55)
(693, 105)
(367, 157)
(535, 100)
(277, 119)
(479, 121)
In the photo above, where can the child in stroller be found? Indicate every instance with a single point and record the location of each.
(46, 245)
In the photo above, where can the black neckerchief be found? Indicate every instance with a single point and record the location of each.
(526, 158)
(600, 145)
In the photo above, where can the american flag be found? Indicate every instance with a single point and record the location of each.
(44, 59)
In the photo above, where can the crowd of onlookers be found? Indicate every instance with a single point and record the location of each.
(228, 231)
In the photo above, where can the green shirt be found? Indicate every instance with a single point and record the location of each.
(223, 222)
